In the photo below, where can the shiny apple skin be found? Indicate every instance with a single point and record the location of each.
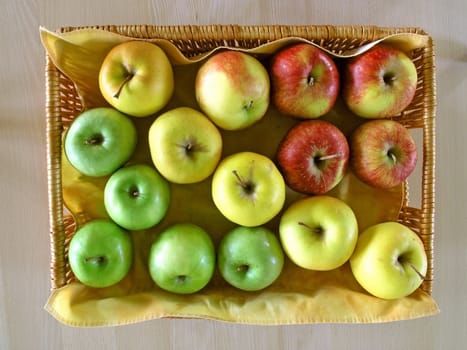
(305, 81)
(299, 153)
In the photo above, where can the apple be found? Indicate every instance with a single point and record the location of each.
(136, 77)
(100, 253)
(379, 83)
(250, 258)
(182, 259)
(99, 141)
(383, 153)
(136, 197)
(313, 156)
(248, 189)
(185, 145)
(232, 88)
(389, 261)
(319, 232)
(304, 81)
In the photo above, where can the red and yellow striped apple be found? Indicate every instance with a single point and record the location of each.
(232, 89)
(379, 83)
(383, 153)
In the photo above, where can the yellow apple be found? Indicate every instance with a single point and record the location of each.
(185, 145)
(136, 77)
(389, 261)
(248, 189)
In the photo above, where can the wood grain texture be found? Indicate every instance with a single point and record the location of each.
(24, 246)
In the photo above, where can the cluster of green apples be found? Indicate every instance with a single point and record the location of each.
(233, 90)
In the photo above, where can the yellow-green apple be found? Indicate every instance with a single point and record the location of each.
(383, 153)
(248, 189)
(313, 156)
(232, 88)
(136, 77)
(304, 81)
(100, 253)
(136, 197)
(99, 141)
(250, 258)
(319, 232)
(185, 145)
(379, 83)
(389, 261)
(182, 259)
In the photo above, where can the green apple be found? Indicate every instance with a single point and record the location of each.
(250, 258)
(389, 261)
(319, 233)
(182, 259)
(248, 189)
(232, 88)
(136, 77)
(99, 141)
(185, 145)
(100, 253)
(379, 83)
(137, 197)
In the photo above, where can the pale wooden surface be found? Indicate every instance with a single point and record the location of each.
(24, 247)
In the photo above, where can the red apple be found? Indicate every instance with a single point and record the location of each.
(379, 83)
(305, 81)
(313, 157)
(383, 153)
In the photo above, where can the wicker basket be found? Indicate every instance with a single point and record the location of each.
(63, 104)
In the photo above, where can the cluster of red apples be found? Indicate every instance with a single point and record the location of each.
(378, 85)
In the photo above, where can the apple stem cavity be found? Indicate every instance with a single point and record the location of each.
(125, 81)
(190, 146)
(242, 268)
(247, 185)
(95, 140)
(95, 260)
(401, 260)
(310, 80)
(389, 78)
(180, 279)
(134, 192)
(318, 230)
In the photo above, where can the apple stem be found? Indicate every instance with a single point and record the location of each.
(96, 140)
(417, 272)
(318, 229)
(331, 156)
(249, 104)
(180, 279)
(392, 156)
(310, 80)
(127, 79)
(389, 78)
